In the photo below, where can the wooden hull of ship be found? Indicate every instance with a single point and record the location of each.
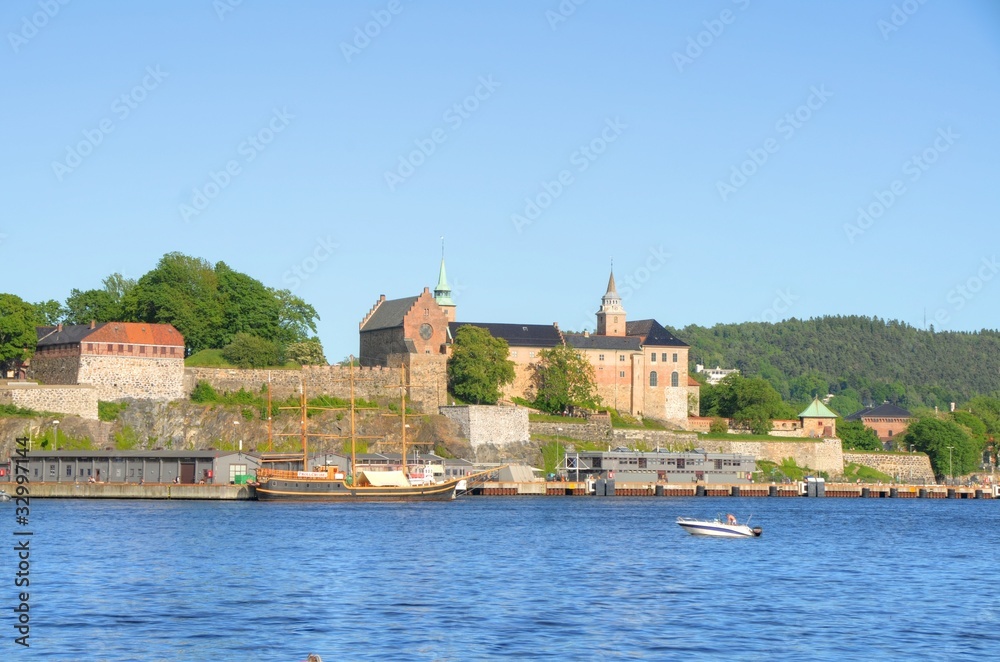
(275, 489)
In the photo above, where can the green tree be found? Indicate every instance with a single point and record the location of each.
(48, 313)
(247, 306)
(182, 291)
(96, 305)
(103, 305)
(952, 451)
(479, 366)
(307, 352)
(752, 403)
(296, 318)
(854, 435)
(247, 351)
(17, 331)
(561, 378)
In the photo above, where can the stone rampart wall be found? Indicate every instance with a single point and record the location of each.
(426, 378)
(74, 400)
(905, 466)
(483, 424)
(127, 377)
(820, 454)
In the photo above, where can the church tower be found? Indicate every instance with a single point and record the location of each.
(611, 316)
(442, 293)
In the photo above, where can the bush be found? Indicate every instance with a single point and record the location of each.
(718, 425)
(109, 411)
(247, 351)
(204, 393)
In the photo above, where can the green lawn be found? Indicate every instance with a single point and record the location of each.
(753, 437)
(551, 418)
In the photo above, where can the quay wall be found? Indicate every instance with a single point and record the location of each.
(135, 491)
(907, 466)
(74, 400)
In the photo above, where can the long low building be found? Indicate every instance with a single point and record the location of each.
(627, 466)
(116, 466)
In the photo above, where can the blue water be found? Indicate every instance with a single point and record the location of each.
(507, 578)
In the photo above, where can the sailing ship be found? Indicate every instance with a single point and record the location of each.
(331, 483)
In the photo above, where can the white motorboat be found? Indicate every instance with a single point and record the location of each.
(719, 527)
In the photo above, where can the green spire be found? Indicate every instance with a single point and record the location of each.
(442, 293)
(817, 410)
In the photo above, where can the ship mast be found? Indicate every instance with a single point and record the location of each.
(354, 455)
(402, 410)
(303, 417)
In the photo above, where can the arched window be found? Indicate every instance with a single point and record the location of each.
(652, 378)
(674, 378)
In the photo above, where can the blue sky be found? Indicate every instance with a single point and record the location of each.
(718, 151)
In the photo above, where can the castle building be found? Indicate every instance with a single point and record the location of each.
(121, 359)
(639, 366)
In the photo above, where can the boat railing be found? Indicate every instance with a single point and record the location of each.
(285, 474)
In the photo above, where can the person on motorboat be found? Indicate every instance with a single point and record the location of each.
(731, 519)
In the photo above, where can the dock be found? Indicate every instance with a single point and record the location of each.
(834, 490)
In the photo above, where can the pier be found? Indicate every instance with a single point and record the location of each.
(833, 490)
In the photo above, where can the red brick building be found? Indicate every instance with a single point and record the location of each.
(888, 421)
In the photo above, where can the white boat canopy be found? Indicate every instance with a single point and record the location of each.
(383, 478)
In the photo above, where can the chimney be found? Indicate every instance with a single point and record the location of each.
(381, 298)
(556, 324)
(93, 324)
(952, 406)
(59, 328)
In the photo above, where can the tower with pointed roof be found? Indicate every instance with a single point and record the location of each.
(611, 315)
(442, 292)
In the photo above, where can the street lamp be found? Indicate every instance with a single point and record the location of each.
(55, 435)
(950, 467)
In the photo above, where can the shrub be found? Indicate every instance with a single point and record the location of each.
(718, 425)
(109, 411)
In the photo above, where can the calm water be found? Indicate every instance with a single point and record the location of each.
(507, 578)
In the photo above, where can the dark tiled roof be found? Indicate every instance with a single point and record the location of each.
(70, 334)
(204, 455)
(653, 334)
(580, 341)
(518, 335)
(390, 314)
(882, 411)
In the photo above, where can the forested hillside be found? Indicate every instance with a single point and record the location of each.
(861, 360)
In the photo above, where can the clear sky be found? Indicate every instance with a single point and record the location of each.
(718, 151)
